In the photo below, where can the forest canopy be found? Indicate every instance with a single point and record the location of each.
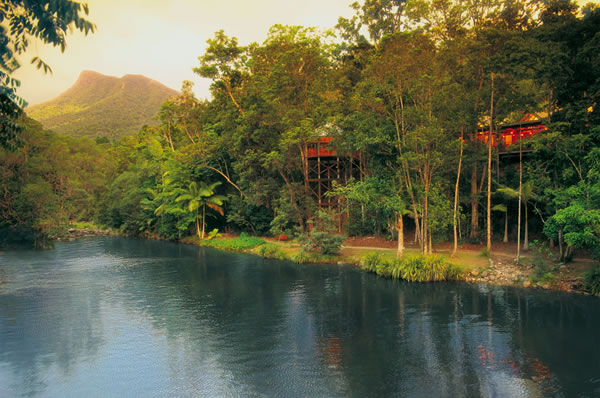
(401, 94)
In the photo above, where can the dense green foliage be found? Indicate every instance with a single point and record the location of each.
(238, 244)
(401, 102)
(48, 21)
(591, 281)
(270, 250)
(323, 238)
(99, 105)
(53, 179)
(412, 268)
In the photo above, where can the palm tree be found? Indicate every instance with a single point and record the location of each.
(202, 195)
(508, 193)
(527, 194)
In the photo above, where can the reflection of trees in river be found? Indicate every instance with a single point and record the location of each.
(432, 337)
(412, 338)
(202, 299)
(236, 324)
(405, 338)
(48, 320)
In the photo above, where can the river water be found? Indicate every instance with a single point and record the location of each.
(117, 317)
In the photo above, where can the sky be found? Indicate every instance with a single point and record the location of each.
(162, 39)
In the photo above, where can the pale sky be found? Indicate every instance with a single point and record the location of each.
(162, 39)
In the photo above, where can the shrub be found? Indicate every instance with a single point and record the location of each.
(270, 250)
(370, 261)
(323, 237)
(415, 268)
(301, 257)
(214, 234)
(542, 272)
(243, 242)
(591, 281)
(321, 242)
(420, 268)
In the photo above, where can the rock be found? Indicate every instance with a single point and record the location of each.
(527, 283)
(475, 272)
(546, 285)
(485, 274)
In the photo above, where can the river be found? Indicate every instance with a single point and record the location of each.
(123, 317)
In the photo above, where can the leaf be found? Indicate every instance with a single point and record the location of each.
(500, 207)
(194, 205)
(216, 208)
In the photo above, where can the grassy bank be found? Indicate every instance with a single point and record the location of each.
(413, 267)
(470, 265)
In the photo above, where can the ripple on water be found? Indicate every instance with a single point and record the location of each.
(125, 317)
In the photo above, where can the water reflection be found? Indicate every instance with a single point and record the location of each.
(131, 317)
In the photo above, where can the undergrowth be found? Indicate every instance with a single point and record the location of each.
(591, 281)
(270, 250)
(240, 243)
(412, 268)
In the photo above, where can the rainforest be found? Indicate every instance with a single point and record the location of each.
(437, 126)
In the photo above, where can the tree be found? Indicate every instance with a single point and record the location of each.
(456, 193)
(202, 195)
(507, 193)
(48, 21)
(377, 192)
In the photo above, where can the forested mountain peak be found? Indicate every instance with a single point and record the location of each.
(101, 105)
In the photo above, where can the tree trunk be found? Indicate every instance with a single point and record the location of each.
(362, 217)
(418, 226)
(425, 224)
(561, 251)
(400, 230)
(456, 198)
(293, 200)
(198, 227)
(505, 240)
(429, 245)
(489, 188)
(474, 203)
(526, 239)
(520, 198)
(203, 220)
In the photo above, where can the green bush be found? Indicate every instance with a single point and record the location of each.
(370, 261)
(415, 268)
(301, 257)
(243, 242)
(213, 234)
(591, 281)
(542, 272)
(420, 268)
(321, 242)
(270, 250)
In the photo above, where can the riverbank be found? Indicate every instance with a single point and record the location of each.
(79, 230)
(536, 269)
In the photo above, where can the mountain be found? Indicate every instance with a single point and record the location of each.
(100, 105)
